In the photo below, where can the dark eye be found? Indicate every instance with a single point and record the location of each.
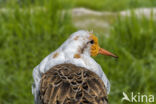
(92, 41)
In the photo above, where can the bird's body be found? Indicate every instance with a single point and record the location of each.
(76, 50)
(69, 84)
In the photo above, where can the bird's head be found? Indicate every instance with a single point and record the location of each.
(96, 49)
(84, 42)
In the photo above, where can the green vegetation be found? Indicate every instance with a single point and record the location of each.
(102, 5)
(134, 41)
(26, 37)
(113, 5)
(29, 33)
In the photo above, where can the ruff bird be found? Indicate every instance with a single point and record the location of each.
(69, 75)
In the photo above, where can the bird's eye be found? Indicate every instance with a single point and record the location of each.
(92, 41)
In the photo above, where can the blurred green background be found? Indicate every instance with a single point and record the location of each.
(31, 29)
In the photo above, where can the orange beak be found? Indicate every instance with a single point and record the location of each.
(105, 52)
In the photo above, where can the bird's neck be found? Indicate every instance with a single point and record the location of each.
(74, 47)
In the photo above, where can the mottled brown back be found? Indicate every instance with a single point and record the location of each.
(70, 84)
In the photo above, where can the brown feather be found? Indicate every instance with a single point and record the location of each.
(70, 84)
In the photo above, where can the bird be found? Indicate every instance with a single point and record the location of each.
(70, 75)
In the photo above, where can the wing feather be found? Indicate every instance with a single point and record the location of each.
(70, 84)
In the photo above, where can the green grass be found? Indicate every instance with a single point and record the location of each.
(102, 5)
(26, 38)
(113, 5)
(134, 41)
